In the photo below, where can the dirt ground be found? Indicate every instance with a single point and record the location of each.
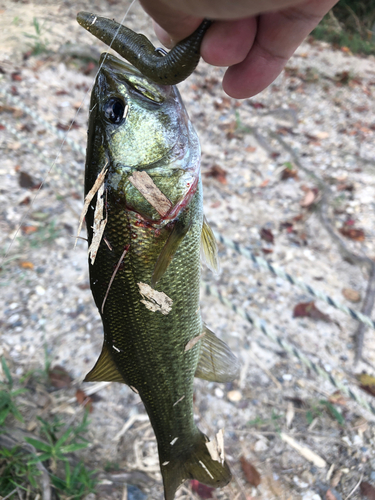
(322, 107)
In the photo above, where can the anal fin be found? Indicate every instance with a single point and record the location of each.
(105, 369)
(169, 249)
(209, 253)
(216, 362)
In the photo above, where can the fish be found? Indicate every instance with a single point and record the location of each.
(146, 231)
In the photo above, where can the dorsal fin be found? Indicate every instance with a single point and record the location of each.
(216, 362)
(209, 254)
(105, 369)
(169, 249)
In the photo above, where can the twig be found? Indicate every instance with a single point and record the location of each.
(322, 210)
(366, 308)
(355, 487)
(356, 20)
(114, 274)
(9, 494)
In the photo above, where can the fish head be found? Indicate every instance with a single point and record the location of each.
(135, 126)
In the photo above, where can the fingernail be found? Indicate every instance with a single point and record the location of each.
(163, 36)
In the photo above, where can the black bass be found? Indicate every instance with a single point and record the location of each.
(145, 229)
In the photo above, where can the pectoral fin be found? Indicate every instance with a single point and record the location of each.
(216, 363)
(105, 369)
(209, 254)
(170, 248)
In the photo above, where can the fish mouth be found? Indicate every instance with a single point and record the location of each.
(109, 62)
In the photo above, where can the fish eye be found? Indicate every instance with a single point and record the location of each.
(114, 110)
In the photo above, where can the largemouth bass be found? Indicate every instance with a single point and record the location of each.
(145, 229)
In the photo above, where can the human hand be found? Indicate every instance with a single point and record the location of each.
(254, 38)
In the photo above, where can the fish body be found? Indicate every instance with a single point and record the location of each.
(145, 270)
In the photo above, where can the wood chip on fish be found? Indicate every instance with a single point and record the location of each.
(216, 447)
(146, 186)
(157, 301)
(90, 195)
(193, 341)
(99, 224)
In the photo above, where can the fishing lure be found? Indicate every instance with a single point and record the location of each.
(168, 69)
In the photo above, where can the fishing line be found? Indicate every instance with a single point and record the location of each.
(64, 140)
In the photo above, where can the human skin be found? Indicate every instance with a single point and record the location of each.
(253, 38)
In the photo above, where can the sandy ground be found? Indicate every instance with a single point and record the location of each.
(322, 106)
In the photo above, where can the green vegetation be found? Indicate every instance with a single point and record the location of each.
(322, 406)
(45, 235)
(273, 423)
(21, 465)
(350, 24)
(39, 44)
(8, 396)
(16, 472)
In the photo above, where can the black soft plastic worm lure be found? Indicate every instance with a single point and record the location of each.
(170, 69)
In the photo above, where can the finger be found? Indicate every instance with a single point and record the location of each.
(228, 42)
(278, 36)
(222, 9)
(170, 25)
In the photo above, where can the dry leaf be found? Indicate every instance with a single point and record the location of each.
(67, 126)
(217, 173)
(26, 264)
(351, 295)
(201, 489)
(29, 229)
(149, 190)
(367, 383)
(27, 182)
(367, 490)
(289, 173)
(251, 474)
(309, 198)
(309, 310)
(256, 104)
(337, 399)
(222, 103)
(330, 495)
(59, 377)
(266, 234)
(84, 400)
(352, 233)
(16, 76)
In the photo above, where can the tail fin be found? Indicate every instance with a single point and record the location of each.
(197, 464)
